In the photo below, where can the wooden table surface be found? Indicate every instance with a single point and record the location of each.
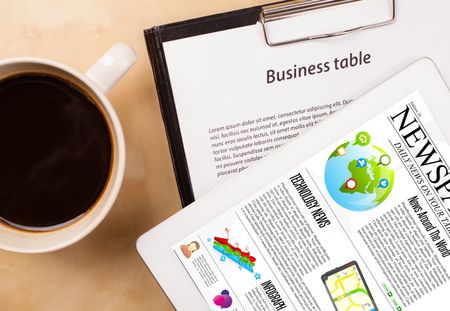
(103, 271)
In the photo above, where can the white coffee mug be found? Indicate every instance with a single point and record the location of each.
(97, 81)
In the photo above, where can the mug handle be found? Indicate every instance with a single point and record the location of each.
(112, 66)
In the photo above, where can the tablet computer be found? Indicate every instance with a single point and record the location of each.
(369, 185)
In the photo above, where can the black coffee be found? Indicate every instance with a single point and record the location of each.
(55, 154)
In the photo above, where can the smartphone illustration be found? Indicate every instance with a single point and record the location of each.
(348, 289)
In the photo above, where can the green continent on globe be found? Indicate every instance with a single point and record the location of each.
(365, 184)
(367, 179)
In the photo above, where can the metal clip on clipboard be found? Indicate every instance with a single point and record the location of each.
(306, 9)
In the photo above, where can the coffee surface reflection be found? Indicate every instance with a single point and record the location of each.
(55, 155)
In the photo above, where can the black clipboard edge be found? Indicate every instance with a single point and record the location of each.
(207, 24)
(169, 115)
(155, 37)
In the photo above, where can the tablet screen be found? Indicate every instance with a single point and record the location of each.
(375, 203)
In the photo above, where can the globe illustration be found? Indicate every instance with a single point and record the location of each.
(358, 176)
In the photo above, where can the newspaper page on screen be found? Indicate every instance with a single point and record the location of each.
(364, 223)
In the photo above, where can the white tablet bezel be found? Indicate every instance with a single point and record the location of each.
(155, 246)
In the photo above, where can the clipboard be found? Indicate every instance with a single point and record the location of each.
(155, 37)
(268, 18)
